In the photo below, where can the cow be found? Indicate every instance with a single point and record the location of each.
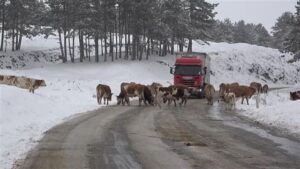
(103, 91)
(8, 80)
(153, 89)
(148, 96)
(229, 99)
(257, 86)
(265, 89)
(245, 92)
(122, 97)
(209, 91)
(181, 92)
(165, 94)
(295, 95)
(131, 90)
(225, 87)
(29, 83)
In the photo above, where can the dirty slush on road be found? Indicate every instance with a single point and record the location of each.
(148, 137)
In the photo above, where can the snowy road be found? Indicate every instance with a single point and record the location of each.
(195, 136)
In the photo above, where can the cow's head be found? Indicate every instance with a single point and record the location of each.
(42, 82)
(109, 96)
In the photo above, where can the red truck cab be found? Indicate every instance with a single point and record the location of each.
(190, 70)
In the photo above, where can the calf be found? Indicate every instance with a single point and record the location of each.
(295, 95)
(229, 99)
(209, 91)
(103, 91)
(265, 89)
(181, 92)
(29, 83)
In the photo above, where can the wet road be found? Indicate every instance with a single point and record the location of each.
(194, 136)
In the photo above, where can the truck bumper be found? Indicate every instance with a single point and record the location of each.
(197, 93)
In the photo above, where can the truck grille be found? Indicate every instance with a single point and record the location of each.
(188, 82)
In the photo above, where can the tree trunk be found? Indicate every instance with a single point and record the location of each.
(172, 45)
(96, 47)
(13, 40)
(148, 48)
(120, 36)
(20, 41)
(101, 46)
(105, 46)
(116, 39)
(111, 47)
(86, 46)
(3, 25)
(73, 47)
(81, 46)
(61, 46)
(70, 47)
(190, 46)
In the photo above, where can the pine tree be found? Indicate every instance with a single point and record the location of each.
(201, 20)
(282, 29)
(292, 43)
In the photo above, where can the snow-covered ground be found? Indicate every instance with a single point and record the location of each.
(278, 111)
(71, 87)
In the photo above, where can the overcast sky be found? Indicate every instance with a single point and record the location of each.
(254, 11)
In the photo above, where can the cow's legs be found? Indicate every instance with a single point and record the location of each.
(100, 99)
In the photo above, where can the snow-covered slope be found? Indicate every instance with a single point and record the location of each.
(245, 63)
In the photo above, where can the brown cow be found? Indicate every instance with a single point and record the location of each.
(103, 91)
(295, 95)
(225, 87)
(265, 89)
(131, 90)
(257, 86)
(35, 84)
(28, 83)
(245, 92)
(209, 91)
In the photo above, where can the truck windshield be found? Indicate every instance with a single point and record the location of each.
(187, 70)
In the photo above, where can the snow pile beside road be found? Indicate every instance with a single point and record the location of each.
(17, 60)
(71, 89)
(245, 63)
(37, 51)
(279, 111)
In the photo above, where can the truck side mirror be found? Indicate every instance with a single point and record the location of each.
(171, 70)
(205, 70)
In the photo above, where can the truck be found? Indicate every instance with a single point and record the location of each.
(192, 70)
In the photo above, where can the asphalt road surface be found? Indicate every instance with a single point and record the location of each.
(192, 136)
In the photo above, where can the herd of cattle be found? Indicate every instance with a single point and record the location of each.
(22, 82)
(156, 94)
(153, 94)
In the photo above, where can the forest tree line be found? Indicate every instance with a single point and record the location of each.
(134, 29)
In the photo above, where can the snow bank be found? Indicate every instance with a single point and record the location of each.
(279, 111)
